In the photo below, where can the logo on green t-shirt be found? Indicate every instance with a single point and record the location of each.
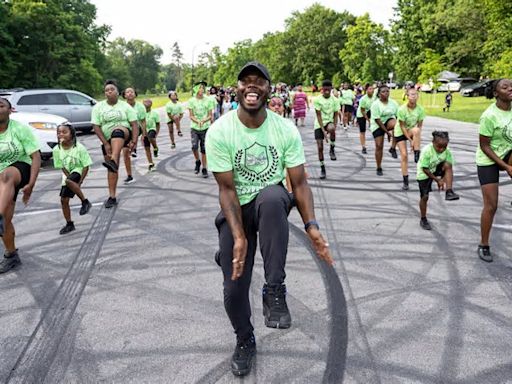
(260, 162)
(112, 115)
(9, 152)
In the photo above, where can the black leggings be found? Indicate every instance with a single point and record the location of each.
(268, 215)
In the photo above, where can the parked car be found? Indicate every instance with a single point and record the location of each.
(457, 84)
(442, 87)
(74, 106)
(44, 127)
(477, 89)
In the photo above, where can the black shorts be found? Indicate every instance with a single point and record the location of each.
(348, 108)
(24, 169)
(320, 132)
(378, 133)
(400, 138)
(65, 191)
(126, 142)
(198, 139)
(361, 122)
(425, 186)
(151, 135)
(490, 174)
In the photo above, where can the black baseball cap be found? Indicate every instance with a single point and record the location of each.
(254, 65)
(201, 82)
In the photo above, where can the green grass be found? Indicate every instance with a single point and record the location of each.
(467, 109)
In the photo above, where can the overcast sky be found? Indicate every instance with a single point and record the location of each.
(193, 23)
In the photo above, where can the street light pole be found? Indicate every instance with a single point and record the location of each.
(193, 50)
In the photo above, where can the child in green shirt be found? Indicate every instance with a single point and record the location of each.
(435, 164)
(74, 160)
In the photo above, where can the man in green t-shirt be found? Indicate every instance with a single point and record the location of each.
(326, 109)
(249, 152)
(200, 108)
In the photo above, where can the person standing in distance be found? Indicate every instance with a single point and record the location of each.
(249, 151)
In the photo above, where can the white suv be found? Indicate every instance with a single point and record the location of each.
(75, 107)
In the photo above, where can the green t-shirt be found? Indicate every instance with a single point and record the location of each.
(430, 159)
(327, 108)
(17, 143)
(258, 157)
(74, 159)
(152, 118)
(110, 116)
(496, 124)
(381, 111)
(366, 103)
(201, 108)
(140, 109)
(411, 117)
(173, 109)
(347, 97)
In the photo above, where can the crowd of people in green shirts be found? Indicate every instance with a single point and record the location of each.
(118, 124)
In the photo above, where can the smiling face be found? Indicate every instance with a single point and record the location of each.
(5, 111)
(253, 91)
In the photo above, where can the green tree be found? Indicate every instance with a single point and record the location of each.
(431, 67)
(367, 53)
(143, 64)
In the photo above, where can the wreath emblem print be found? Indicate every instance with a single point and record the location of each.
(260, 162)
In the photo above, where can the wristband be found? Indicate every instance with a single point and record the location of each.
(311, 223)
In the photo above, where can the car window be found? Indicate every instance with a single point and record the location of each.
(31, 100)
(54, 99)
(75, 99)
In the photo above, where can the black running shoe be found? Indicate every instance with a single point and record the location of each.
(129, 180)
(394, 155)
(205, 173)
(9, 262)
(245, 350)
(484, 253)
(134, 154)
(110, 202)
(379, 172)
(198, 167)
(405, 187)
(86, 207)
(364, 151)
(111, 165)
(69, 227)
(275, 310)
(450, 195)
(332, 154)
(173, 146)
(179, 133)
(322, 172)
(425, 224)
(155, 152)
(151, 167)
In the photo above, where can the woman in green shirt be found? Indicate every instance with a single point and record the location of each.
(115, 124)
(494, 154)
(20, 161)
(130, 94)
(410, 121)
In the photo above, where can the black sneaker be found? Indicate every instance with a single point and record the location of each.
(129, 180)
(484, 253)
(111, 165)
(10, 262)
(332, 154)
(425, 224)
(198, 167)
(179, 133)
(275, 309)
(110, 202)
(322, 172)
(379, 172)
(205, 173)
(151, 167)
(173, 146)
(393, 153)
(450, 195)
(86, 207)
(405, 187)
(364, 151)
(416, 156)
(134, 154)
(155, 152)
(69, 227)
(245, 350)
